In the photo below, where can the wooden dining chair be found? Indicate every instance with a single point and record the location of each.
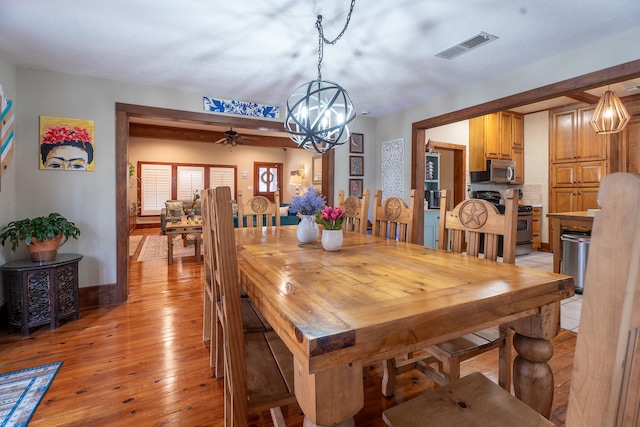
(357, 212)
(606, 368)
(252, 319)
(258, 211)
(472, 219)
(258, 367)
(392, 218)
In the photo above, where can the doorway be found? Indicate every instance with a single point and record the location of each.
(267, 179)
(119, 291)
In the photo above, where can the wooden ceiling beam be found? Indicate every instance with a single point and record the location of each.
(141, 130)
(585, 97)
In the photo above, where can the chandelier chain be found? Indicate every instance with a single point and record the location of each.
(322, 39)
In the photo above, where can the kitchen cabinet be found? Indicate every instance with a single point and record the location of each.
(431, 225)
(536, 225)
(494, 136)
(517, 155)
(578, 174)
(579, 159)
(574, 140)
(574, 199)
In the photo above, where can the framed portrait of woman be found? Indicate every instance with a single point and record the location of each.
(66, 144)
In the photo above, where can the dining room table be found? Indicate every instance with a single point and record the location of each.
(375, 298)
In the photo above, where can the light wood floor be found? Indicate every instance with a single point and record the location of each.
(143, 363)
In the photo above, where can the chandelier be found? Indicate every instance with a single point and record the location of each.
(610, 116)
(319, 112)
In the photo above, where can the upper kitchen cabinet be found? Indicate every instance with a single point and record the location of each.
(497, 136)
(574, 140)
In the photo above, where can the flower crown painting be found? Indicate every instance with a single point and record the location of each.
(66, 144)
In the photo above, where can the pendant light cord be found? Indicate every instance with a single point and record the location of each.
(322, 39)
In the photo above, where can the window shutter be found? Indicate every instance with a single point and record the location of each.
(221, 176)
(155, 187)
(190, 180)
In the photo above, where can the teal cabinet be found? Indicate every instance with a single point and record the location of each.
(431, 224)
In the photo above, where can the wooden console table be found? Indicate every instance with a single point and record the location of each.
(38, 293)
(566, 220)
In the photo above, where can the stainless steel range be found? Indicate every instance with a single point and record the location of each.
(524, 228)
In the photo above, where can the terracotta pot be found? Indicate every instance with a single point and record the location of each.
(46, 250)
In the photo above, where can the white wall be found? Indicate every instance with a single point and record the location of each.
(536, 161)
(8, 196)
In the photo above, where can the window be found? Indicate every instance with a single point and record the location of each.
(160, 182)
(190, 180)
(155, 188)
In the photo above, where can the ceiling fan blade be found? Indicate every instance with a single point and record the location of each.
(220, 140)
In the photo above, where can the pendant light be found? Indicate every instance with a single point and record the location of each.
(610, 116)
(319, 113)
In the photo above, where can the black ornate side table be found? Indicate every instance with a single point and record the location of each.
(38, 293)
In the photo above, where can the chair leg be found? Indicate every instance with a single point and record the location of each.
(277, 417)
(450, 369)
(504, 362)
(217, 341)
(389, 377)
(206, 318)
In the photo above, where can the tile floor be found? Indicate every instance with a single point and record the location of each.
(570, 308)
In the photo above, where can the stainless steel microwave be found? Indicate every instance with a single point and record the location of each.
(498, 171)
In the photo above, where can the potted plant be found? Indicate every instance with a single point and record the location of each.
(42, 235)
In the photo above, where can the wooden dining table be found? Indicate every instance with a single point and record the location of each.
(377, 298)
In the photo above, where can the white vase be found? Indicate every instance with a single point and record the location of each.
(307, 231)
(332, 240)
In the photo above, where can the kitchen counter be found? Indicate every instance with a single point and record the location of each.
(582, 221)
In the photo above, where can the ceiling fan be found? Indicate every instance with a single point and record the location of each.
(232, 137)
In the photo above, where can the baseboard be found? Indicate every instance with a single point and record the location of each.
(95, 296)
(148, 225)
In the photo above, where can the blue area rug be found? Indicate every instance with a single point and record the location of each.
(21, 392)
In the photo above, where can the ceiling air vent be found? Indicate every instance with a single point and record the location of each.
(466, 46)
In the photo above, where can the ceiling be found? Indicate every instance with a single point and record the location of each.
(261, 50)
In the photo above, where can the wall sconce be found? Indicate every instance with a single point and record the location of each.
(610, 116)
(296, 179)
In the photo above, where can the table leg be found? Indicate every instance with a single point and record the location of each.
(532, 375)
(556, 244)
(330, 398)
(198, 239)
(170, 249)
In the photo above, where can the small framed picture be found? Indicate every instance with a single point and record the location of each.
(316, 170)
(355, 187)
(356, 165)
(356, 143)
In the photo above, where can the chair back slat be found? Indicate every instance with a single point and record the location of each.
(605, 383)
(226, 277)
(258, 211)
(393, 219)
(476, 219)
(357, 212)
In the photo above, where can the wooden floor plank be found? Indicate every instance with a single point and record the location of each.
(143, 362)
